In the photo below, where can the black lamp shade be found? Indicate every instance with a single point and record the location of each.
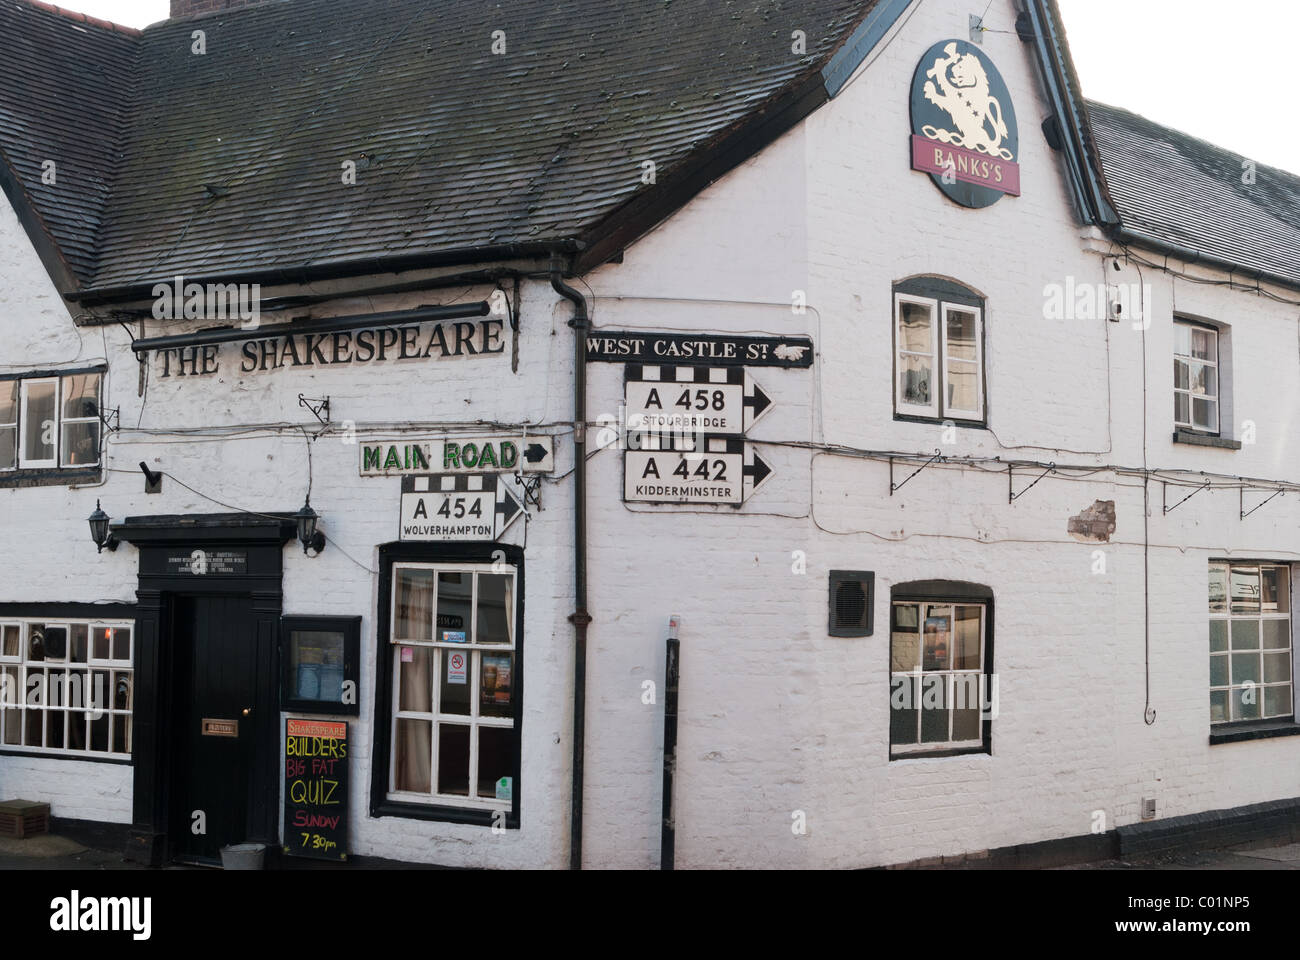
(99, 529)
(308, 535)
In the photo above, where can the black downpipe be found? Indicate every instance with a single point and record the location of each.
(580, 617)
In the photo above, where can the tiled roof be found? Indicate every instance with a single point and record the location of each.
(233, 159)
(1173, 189)
(65, 91)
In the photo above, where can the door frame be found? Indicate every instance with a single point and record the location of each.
(258, 539)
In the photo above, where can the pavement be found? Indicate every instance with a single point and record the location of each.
(1265, 855)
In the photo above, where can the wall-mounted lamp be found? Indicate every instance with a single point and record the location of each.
(99, 530)
(308, 535)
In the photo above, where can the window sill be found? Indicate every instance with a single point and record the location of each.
(50, 477)
(420, 811)
(1205, 440)
(936, 754)
(940, 421)
(1254, 730)
(42, 754)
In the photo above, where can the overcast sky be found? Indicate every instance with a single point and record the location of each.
(1219, 71)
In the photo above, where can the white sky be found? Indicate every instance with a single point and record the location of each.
(1219, 71)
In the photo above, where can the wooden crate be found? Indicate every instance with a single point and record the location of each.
(23, 818)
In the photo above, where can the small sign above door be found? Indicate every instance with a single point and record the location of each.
(208, 563)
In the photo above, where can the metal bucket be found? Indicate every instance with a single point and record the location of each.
(243, 856)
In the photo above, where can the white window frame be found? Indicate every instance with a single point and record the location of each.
(920, 748)
(936, 374)
(65, 421)
(1216, 363)
(24, 421)
(955, 413)
(1227, 617)
(13, 425)
(16, 712)
(436, 718)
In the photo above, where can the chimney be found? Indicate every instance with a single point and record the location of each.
(186, 8)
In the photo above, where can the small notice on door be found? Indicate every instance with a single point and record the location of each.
(316, 789)
(457, 667)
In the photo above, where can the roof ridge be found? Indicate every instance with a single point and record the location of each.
(1191, 136)
(83, 18)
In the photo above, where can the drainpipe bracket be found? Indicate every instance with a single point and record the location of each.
(580, 618)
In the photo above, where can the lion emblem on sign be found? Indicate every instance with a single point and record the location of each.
(959, 86)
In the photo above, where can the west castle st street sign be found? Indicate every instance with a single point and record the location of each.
(464, 338)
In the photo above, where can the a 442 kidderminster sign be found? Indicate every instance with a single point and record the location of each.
(964, 130)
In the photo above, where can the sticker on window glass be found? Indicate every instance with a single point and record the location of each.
(457, 665)
(505, 788)
(408, 655)
(453, 636)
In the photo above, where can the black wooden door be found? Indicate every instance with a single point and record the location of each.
(215, 645)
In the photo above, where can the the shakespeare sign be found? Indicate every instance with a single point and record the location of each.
(964, 131)
(416, 341)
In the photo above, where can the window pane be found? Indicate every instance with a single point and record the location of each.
(11, 633)
(11, 694)
(915, 373)
(905, 641)
(101, 647)
(1245, 668)
(414, 614)
(121, 734)
(966, 704)
(56, 643)
(1277, 634)
(8, 401)
(1205, 414)
(39, 434)
(1218, 635)
(1218, 589)
(1219, 671)
(121, 691)
(1277, 667)
(966, 642)
(1245, 589)
(1275, 593)
(79, 647)
(453, 759)
(8, 448)
(963, 386)
(415, 690)
(496, 687)
(1278, 701)
(1204, 380)
(1182, 408)
(80, 444)
(36, 641)
(934, 709)
(1245, 634)
(904, 701)
(495, 760)
(495, 608)
(938, 638)
(1182, 339)
(121, 637)
(961, 336)
(1218, 706)
(99, 733)
(453, 696)
(1205, 344)
(454, 592)
(1181, 375)
(411, 755)
(914, 328)
(1245, 703)
(81, 396)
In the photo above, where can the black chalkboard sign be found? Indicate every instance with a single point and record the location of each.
(316, 789)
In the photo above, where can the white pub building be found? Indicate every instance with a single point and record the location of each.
(422, 369)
